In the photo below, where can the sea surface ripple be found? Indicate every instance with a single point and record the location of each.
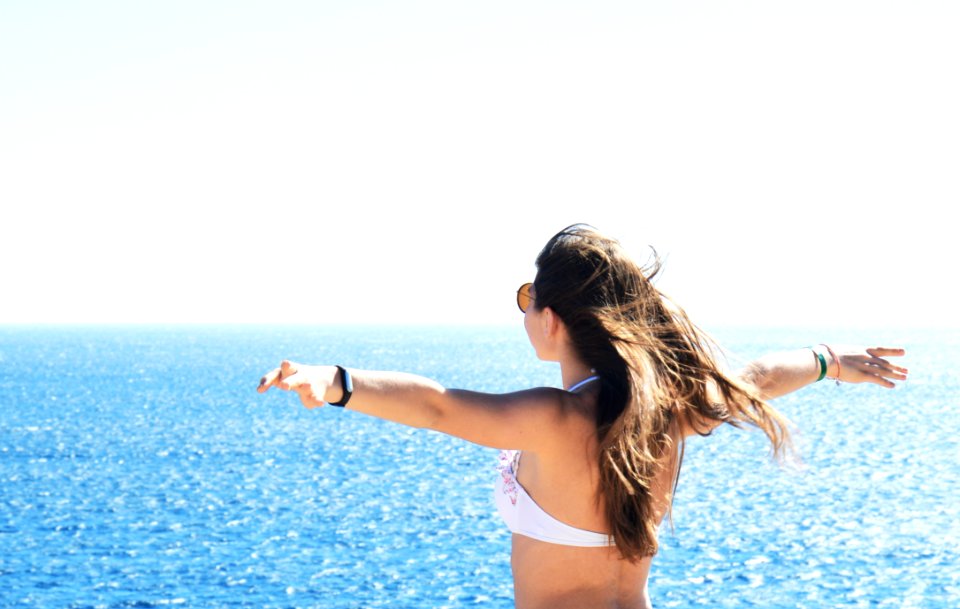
(139, 468)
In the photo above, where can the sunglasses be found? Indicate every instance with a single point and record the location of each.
(524, 298)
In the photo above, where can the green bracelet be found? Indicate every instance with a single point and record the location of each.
(823, 364)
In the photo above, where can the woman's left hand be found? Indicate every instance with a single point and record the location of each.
(870, 365)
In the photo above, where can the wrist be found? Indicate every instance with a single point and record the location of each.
(833, 363)
(820, 364)
(331, 379)
(341, 386)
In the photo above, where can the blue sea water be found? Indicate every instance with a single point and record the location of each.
(139, 468)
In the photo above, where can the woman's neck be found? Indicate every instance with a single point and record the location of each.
(572, 371)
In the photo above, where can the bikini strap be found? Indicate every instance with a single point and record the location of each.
(584, 382)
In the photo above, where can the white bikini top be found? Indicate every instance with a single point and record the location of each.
(524, 517)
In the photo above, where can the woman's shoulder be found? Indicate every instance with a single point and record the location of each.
(577, 428)
(562, 403)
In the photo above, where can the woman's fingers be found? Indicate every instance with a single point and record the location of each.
(288, 382)
(882, 382)
(301, 384)
(881, 352)
(885, 367)
(276, 376)
(886, 351)
(291, 376)
(269, 380)
(872, 367)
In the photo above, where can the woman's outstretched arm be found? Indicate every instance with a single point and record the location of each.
(523, 420)
(778, 374)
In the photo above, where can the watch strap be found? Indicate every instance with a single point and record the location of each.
(346, 383)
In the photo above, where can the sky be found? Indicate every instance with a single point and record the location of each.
(329, 162)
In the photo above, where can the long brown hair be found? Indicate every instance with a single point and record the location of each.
(657, 371)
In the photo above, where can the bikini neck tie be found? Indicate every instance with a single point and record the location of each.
(584, 382)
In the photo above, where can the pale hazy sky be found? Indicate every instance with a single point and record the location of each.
(361, 161)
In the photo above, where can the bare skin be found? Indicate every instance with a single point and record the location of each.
(556, 433)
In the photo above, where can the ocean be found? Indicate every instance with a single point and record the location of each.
(140, 468)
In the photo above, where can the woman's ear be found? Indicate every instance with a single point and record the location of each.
(553, 327)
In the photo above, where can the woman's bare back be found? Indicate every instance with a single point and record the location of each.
(546, 575)
(551, 576)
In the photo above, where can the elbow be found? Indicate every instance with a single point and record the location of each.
(434, 412)
(756, 375)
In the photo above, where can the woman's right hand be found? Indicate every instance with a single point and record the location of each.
(311, 383)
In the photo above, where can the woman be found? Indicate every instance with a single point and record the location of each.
(591, 470)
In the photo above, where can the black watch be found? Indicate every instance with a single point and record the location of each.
(346, 383)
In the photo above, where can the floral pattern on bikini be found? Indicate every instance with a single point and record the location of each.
(507, 464)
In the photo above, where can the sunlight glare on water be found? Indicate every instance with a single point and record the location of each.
(139, 468)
